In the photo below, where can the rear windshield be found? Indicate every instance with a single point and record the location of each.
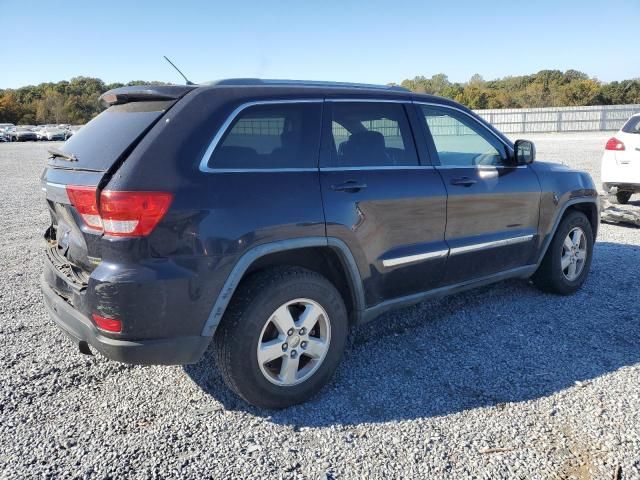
(105, 138)
(632, 125)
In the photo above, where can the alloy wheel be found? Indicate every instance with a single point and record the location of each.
(574, 254)
(294, 342)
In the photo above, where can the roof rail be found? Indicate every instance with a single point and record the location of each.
(304, 83)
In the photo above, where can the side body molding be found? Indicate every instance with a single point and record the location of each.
(236, 275)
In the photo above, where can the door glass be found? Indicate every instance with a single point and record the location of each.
(369, 134)
(459, 141)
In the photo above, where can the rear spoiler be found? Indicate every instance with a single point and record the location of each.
(144, 93)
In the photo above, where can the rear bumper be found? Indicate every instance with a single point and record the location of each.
(165, 351)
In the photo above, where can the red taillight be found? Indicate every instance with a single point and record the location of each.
(132, 214)
(120, 214)
(614, 144)
(108, 324)
(86, 202)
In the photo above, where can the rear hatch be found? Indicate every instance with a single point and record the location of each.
(83, 165)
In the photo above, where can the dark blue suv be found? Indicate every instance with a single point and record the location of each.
(270, 216)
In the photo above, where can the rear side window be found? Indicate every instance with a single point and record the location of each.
(271, 136)
(104, 139)
(369, 134)
(632, 125)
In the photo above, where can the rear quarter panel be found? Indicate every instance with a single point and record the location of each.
(215, 217)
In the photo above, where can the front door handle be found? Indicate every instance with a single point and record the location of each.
(463, 181)
(351, 186)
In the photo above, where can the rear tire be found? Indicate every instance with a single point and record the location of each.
(252, 331)
(621, 198)
(563, 270)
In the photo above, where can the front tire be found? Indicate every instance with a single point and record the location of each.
(566, 264)
(282, 337)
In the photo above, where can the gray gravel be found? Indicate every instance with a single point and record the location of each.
(502, 382)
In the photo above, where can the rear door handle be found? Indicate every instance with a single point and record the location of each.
(463, 181)
(351, 186)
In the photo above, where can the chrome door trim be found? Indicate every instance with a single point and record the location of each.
(204, 162)
(477, 167)
(392, 262)
(486, 245)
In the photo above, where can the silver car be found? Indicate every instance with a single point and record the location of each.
(53, 133)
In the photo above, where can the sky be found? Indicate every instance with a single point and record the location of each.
(357, 41)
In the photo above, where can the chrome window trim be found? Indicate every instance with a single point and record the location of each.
(204, 162)
(440, 105)
(486, 245)
(392, 262)
(204, 167)
(381, 167)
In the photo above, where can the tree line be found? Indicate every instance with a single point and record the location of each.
(76, 101)
(547, 88)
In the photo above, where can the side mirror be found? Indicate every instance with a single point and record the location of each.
(525, 152)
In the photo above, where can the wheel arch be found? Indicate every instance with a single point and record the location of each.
(586, 205)
(314, 253)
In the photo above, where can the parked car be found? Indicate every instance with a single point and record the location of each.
(269, 218)
(620, 170)
(4, 127)
(73, 129)
(41, 131)
(4, 137)
(53, 133)
(22, 134)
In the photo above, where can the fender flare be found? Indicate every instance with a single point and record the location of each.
(253, 254)
(560, 215)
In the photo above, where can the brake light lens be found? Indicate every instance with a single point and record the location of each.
(614, 144)
(120, 214)
(132, 214)
(108, 324)
(85, 199)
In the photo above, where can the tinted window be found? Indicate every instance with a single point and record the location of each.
(101, 141)
(460, 141)
(370, 134)
(632, 125)
(271, 136)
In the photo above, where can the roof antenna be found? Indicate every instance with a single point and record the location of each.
(189, 82)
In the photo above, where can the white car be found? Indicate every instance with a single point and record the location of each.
(621, 162)
(53, 133)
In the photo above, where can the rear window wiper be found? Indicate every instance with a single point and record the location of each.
(57, 153)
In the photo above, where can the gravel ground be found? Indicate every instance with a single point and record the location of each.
(502, 382)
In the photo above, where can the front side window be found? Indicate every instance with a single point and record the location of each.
(271, 136)
(460, 141)
(369, 134)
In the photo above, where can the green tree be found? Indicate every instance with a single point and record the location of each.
(10, 110)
